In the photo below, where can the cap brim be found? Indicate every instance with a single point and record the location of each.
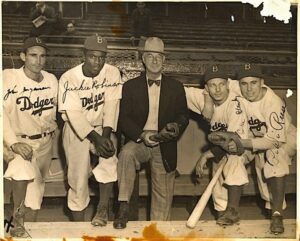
(41, 45)
(92, 49)
(249, 74)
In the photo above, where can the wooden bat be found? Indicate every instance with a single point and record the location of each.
(198, 210)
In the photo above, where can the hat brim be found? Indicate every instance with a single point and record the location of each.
(92, 49)
(208, 77)
(249, 74)
(152, 51)
(40, 45)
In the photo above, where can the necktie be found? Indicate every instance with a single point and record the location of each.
(151, 82)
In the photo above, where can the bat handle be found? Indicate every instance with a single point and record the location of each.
(196, 214)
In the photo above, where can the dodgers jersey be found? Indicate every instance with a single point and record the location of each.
(88, 95)
(229, 116)
(29, 106)
(267, 117)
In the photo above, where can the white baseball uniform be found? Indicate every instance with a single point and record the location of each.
(29, 111)
(270, 125)
(229, 116)
(87, 104)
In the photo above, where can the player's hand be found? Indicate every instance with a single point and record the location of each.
(23, 149)
(201, 165)
(8, 154)
(147, 137)
(232, 147)
(104, 147)
(169, 133)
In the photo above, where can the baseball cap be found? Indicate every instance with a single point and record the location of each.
(95, 42)
(249, 70)
(215, 71)
(33, 41)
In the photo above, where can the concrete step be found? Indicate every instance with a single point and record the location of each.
(160, 230)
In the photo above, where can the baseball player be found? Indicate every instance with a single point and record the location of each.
(269, 124)
(228, 115)
(89, 96)
(29, 110)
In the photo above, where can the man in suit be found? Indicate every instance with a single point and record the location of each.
(153, 114)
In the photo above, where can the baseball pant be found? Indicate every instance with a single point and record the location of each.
(234, 173)
(162, 182)
(79, 168)
(42, 151)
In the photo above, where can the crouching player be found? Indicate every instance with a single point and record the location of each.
(273, 139)
(228, 115)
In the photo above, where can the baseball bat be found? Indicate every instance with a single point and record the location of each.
(198, 210)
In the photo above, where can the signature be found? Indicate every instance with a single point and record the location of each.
(238, 109)
(83, 87)
(10, 92)
(277, 120)
(25, 89)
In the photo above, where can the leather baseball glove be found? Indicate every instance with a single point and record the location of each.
(222, 139)
(169, 133)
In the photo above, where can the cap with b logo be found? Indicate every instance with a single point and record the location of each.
(96, 43)
(33, 41)
(249, 70)
(215, 71)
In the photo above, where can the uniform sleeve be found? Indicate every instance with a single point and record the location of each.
(9, 87)
(112, 96)
(237, 118)
(68, 98)
(79, 123)
(195, 99)
(114, 85)
(234, 87)
(9, 135)
(111, 114)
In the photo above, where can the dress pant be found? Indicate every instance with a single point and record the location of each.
(162, 182)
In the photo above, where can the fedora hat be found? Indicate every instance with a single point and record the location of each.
(154, 44)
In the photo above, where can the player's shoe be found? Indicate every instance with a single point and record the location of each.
(18, 221)
(230, 217)
(122, 216)
(277, 223)
(101, 217)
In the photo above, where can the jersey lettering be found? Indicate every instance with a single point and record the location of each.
(38, 106)
(92, 102)
(219, 127)
(257, 127)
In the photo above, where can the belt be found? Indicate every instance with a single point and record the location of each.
(38, 136)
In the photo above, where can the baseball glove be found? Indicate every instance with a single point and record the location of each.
(222, 139)
(169, 133)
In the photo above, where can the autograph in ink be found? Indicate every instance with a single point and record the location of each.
(83, 87)
(10, 92)
(277, 121)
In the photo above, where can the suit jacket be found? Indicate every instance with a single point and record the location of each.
(134, 109)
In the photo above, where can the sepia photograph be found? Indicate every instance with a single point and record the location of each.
(149, 120)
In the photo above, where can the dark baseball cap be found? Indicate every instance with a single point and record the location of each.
(95, 42)
(215, 71)
(33, 41)
(249, 70)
